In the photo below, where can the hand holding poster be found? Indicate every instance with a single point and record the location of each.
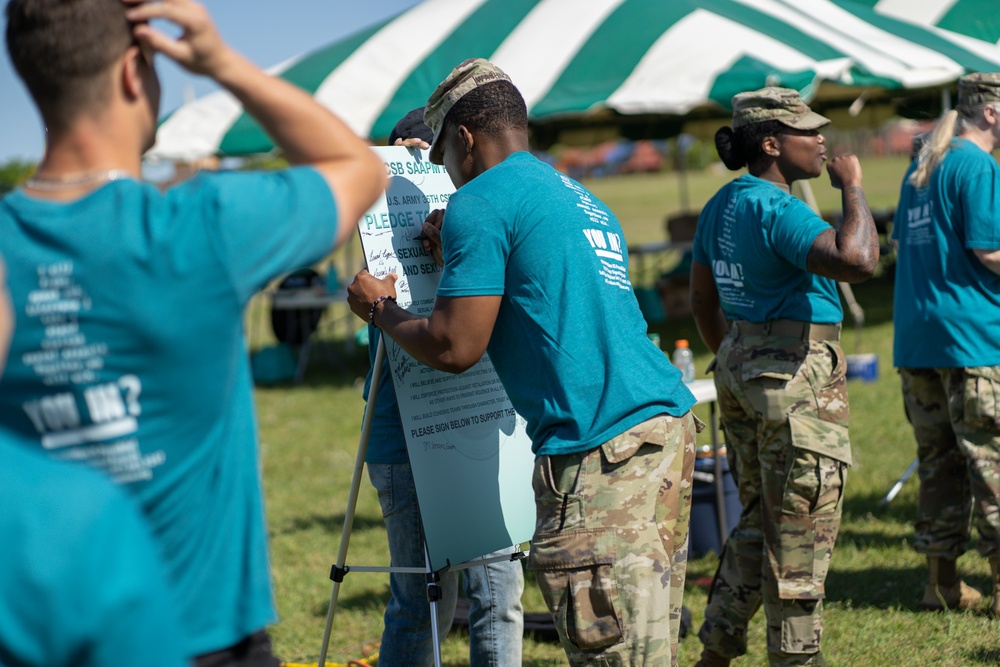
(470, 455)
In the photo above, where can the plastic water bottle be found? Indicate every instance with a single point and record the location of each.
(683, 359)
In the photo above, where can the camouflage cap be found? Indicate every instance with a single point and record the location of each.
(465, 78)
(977, 89)
(781, 104)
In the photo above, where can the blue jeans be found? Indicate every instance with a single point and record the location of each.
(496, 619)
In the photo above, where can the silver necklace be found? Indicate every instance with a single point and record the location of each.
(74, 181)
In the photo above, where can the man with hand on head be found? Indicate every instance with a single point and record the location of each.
(129, 353)
(496, 619)
(536, 271)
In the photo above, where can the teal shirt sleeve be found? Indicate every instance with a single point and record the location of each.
(264, 224)
(386, 439)
(980, 197)
(794, 231)
(473, 236)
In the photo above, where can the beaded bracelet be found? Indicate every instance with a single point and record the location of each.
(375, 303)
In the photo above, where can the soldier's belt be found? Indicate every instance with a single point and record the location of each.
(789, 329)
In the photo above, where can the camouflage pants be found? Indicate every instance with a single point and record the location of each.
(783, 403)
(610, 545)
(956, 420)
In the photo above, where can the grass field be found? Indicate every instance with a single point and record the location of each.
(310, 436)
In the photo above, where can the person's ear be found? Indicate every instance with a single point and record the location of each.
(990, 114)
(132, 72)
(771, 146)
(467, 138)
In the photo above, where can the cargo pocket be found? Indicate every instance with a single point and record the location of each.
(770, 378)
(801, 627)
(980, 398)
(771, 368)
(838, 376)
(575, 571)
(821, 436)
(828, 365)
(810, 507)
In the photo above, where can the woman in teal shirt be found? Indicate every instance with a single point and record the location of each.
(765, 300)
(947, 323)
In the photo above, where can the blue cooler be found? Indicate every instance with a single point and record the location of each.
(862, 367)
(704, 513)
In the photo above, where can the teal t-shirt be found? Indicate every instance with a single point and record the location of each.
(82, 583)
(129, 355)
(946, 305)
(569, 342)
(755, 237)
(386, 439)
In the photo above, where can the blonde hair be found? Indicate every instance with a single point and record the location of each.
(937, 144)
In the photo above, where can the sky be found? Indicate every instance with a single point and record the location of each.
(266, 31)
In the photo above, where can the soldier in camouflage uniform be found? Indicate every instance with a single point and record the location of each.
(765, 300)
(536, 270)
(948, 292)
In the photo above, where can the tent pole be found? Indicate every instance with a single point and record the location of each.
(339, 570)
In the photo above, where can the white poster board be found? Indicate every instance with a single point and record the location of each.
(471, 458)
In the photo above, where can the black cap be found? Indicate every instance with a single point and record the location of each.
(411, 126)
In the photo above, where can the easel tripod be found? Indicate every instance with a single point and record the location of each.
(339, 570)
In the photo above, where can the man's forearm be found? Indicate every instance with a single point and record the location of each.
(411, 332)
(306, 131)
(428, 340)
(309, 134)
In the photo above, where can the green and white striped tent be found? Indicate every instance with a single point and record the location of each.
(619, 61)
(979, 19)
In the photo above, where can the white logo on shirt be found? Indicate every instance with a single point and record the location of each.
(113, 408)
(918, 223)
(728, 273)
(918, 216)
(98, 423)
(605, 244)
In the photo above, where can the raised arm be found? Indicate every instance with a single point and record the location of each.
(706, 308)
(308, 133)
(848, 254)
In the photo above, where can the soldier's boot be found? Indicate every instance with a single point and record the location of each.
(995, 569)
(711, 659)
(944, 589)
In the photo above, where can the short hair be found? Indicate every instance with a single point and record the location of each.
(492, 109)
(63, 49)
(742, 147)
